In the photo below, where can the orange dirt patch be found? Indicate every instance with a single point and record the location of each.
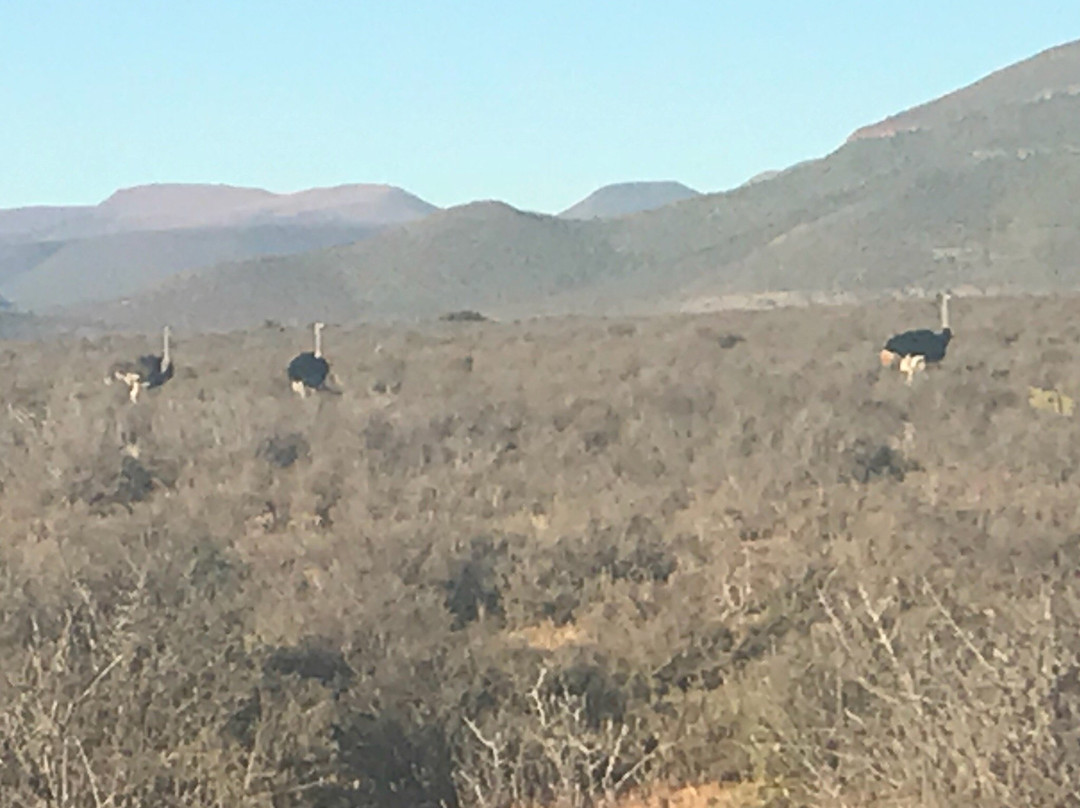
(546, 636)
(705, 795)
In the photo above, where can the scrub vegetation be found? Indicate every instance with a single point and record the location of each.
(719, 560)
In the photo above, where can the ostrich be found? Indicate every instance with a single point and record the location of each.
(146, 372)
(308, 371)
(919, 347)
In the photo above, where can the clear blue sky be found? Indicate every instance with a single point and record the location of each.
(535, 103)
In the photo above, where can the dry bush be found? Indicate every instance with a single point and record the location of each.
(906, 696)
(568, 560)
(558, 755)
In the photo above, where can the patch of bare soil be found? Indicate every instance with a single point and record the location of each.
(705, 795)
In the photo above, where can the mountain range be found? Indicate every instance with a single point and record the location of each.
(55, 257)
(972, 191)
(182, 206)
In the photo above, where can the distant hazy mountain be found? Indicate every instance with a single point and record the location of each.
(981, 195)
(173, 206)
(58, 256)
(625, 198)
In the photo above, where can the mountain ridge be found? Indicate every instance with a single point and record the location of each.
(626, 198)
(1053, 70)
(167, 206)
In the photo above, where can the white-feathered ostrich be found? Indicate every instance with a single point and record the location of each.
(308, 371)
(145, 372)
(917, 348)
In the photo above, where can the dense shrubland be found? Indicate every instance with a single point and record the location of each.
(557, 562)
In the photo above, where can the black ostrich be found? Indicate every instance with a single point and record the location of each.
(146, 372)
(308, 371)
(919, 347)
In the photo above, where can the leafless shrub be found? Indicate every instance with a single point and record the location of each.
(555, 755)
(910, 698)
(91, 684)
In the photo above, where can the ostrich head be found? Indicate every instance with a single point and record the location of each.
(318, 338)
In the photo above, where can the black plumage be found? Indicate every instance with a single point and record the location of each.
(919, 347)
(154, 371)
(145, 372)
(309, 370)
(931, 345)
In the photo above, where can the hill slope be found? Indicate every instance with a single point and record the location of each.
(1055, 71)
(625, 198)
(484, 255)
(124, 264)
(984, 200)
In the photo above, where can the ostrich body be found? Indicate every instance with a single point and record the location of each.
(147, 371)
(308, 371)
(919, 347)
